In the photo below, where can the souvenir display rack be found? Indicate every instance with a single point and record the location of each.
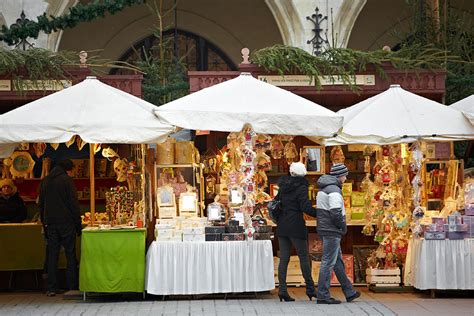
(181, 179)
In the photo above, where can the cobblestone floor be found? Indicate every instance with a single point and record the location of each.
(265, 304)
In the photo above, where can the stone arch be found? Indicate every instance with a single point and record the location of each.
(237, 24)
(288, 21)
(345, 20)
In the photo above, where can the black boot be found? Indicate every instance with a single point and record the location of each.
(285, 297)
(311, 292)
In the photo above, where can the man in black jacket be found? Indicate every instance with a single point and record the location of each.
(59, 209)
(332, 227)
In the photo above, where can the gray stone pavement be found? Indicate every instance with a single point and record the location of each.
(265, 304)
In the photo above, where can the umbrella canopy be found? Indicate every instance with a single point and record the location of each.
(268, 109)
(399, 116)
(95, 111)
(466, 106)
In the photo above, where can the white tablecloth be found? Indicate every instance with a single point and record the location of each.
(209, 267)
(440, 264)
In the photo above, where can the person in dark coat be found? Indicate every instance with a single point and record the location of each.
(291, 229)
(59, 210)
(12, 207)
(332, 227)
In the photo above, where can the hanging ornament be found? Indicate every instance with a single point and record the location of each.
(39, 149)
(291, 154)
(418, 212)
(262, 143)
(277, 147)
(337, 155)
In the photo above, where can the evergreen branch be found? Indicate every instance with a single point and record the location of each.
(77, 14)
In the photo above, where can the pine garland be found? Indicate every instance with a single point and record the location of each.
(37, 64)
(345, 63)
(77, 14)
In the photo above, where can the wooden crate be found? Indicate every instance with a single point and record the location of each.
(384, 277)
(293, 275)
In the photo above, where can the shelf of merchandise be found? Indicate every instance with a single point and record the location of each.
(29, 199)
(39, 179)
(312, 223)
(179, 165)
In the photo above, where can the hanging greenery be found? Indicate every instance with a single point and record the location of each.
(37, 65)
(345, 63)
(449, 29)
(165, 73)
(77, 14)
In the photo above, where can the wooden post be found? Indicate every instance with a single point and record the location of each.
(92, 181)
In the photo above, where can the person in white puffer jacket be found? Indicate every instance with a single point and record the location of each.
(331, 215)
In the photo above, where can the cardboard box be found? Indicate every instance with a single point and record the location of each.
(233, 237)
(455, 235)
(263, 236)
(358, 198)
(194, 238)
(357, 213)
(232, 229)
(214, 229)
(469, 221)
(347, 189)
(213, 237)
(469, 209)
(435, 235)
(263, 229)
(193, 230)
(349, 264)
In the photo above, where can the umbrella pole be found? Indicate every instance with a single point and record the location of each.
(92, 182)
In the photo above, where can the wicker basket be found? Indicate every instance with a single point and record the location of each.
(184, 152)
(165, 152)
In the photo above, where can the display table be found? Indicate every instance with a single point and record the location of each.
(175, 268)
(440, 264)
(112, 260)
(22, 247)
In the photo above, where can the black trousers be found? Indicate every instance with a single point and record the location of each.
(301, 246)
(62, 235)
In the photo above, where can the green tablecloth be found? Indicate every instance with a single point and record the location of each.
(112, 260)
(22, 247)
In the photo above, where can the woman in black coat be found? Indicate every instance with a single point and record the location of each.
(12, 207)
(291, 229)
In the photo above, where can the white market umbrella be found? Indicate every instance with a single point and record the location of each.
(399, 116)
(228, 106)
(95, 111)
(466, 106)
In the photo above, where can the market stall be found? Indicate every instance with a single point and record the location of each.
(235, 235)
(426, 172)
(95, 113)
